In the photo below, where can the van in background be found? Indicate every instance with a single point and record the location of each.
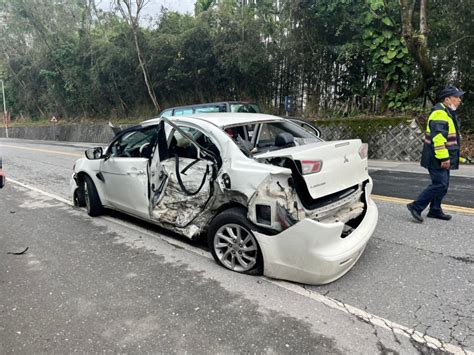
(224, 106)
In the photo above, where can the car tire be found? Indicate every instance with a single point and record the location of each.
(91, 197)
(232, 243)
(78, 195)
(77, 200)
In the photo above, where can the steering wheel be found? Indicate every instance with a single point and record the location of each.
(142, 147)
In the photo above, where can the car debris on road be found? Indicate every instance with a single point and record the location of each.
(18, 253)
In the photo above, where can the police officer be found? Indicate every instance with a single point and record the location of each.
(440, 154)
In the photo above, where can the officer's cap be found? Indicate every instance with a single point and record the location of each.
(450, 91)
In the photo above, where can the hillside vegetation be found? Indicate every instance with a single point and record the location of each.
(334, 58)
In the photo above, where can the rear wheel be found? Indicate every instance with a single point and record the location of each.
(91, 197)
(232, 243)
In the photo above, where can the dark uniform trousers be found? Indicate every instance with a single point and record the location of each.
(434, 193)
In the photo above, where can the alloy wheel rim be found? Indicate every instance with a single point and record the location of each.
(236, 247)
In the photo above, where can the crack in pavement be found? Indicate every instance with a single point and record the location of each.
(464, 259)
(460, 314)
(420, 341)
(469, 259)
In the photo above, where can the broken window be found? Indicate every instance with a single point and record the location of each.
(202, 147)
(245, 132)
(134, 144)
(269, 132)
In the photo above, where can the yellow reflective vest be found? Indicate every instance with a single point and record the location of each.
(442, 139)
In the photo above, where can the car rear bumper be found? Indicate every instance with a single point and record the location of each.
(311, 252)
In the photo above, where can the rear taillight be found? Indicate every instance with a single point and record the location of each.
(363, 150)
(311, 166)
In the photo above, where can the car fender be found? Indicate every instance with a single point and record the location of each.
(91, 168)
(274, 193)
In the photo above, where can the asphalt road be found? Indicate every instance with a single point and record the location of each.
(409, 185)
(117, 284)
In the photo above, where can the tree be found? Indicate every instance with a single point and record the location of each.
(130, 11)
(336, 57)
(417, 42)
(389, 59)
(202, 5)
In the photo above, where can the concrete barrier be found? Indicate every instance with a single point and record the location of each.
(88, 133)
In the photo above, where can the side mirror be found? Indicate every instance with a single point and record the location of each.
(94, 153)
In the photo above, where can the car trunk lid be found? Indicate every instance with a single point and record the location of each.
(342, 166)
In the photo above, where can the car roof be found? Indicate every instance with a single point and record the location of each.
(223, 119)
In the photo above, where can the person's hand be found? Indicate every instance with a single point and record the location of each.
(445, 164)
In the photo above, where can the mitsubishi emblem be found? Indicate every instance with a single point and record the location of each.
(345, 159)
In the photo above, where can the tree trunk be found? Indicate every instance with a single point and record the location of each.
(151, 92)
(134, 22)
(417, 44)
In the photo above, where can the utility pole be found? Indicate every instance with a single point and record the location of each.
(5, 114)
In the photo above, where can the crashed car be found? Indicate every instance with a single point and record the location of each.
(271, 197)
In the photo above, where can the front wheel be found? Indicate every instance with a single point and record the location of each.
(233, 244)
(91, 197)
(78, 197)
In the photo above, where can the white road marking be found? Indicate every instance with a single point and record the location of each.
(56, 197)
(396, 328)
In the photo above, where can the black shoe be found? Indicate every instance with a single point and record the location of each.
(439, 215)
(415, 214)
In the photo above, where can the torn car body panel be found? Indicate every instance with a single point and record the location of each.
(314, 252)
(173, 206)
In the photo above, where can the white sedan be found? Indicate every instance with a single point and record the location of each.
(272, 198)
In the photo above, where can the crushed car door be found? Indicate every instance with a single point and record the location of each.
(125, 170)
(182, 177)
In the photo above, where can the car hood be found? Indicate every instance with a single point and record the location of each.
(342, 166)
